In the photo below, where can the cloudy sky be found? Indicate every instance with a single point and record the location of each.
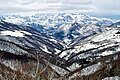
(88, 6)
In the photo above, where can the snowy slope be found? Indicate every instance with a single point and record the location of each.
(99, 41)
(93, 47)
(62, 26)
(27, 37)
(68, 43)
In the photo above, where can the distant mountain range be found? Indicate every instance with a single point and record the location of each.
(65, 27)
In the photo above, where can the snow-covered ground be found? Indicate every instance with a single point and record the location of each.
(91, 69)
(102, 41)
(112, 78)
(15, 33)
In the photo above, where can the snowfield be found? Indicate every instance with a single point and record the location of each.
(15, 33)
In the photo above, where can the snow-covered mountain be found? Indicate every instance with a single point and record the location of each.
(27, 37)
(70, 46)
(64, 26)
(92, 53)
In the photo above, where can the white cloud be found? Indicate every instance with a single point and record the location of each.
(78, 2)
(107, 4)
(97, 6)
(24, 2)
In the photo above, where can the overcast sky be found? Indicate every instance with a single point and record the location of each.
(89, 6)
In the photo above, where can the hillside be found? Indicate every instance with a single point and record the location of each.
(80, 48)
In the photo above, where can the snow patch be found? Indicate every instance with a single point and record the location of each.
(57, 51)
(59, 70)
(107, 53)
(14, 20)
(53, 40)
(105, 36)
(90, 69)
(112, 78)
(45, 49)
(87, 46)
(15, 33)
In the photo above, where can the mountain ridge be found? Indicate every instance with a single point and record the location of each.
(94, 46)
